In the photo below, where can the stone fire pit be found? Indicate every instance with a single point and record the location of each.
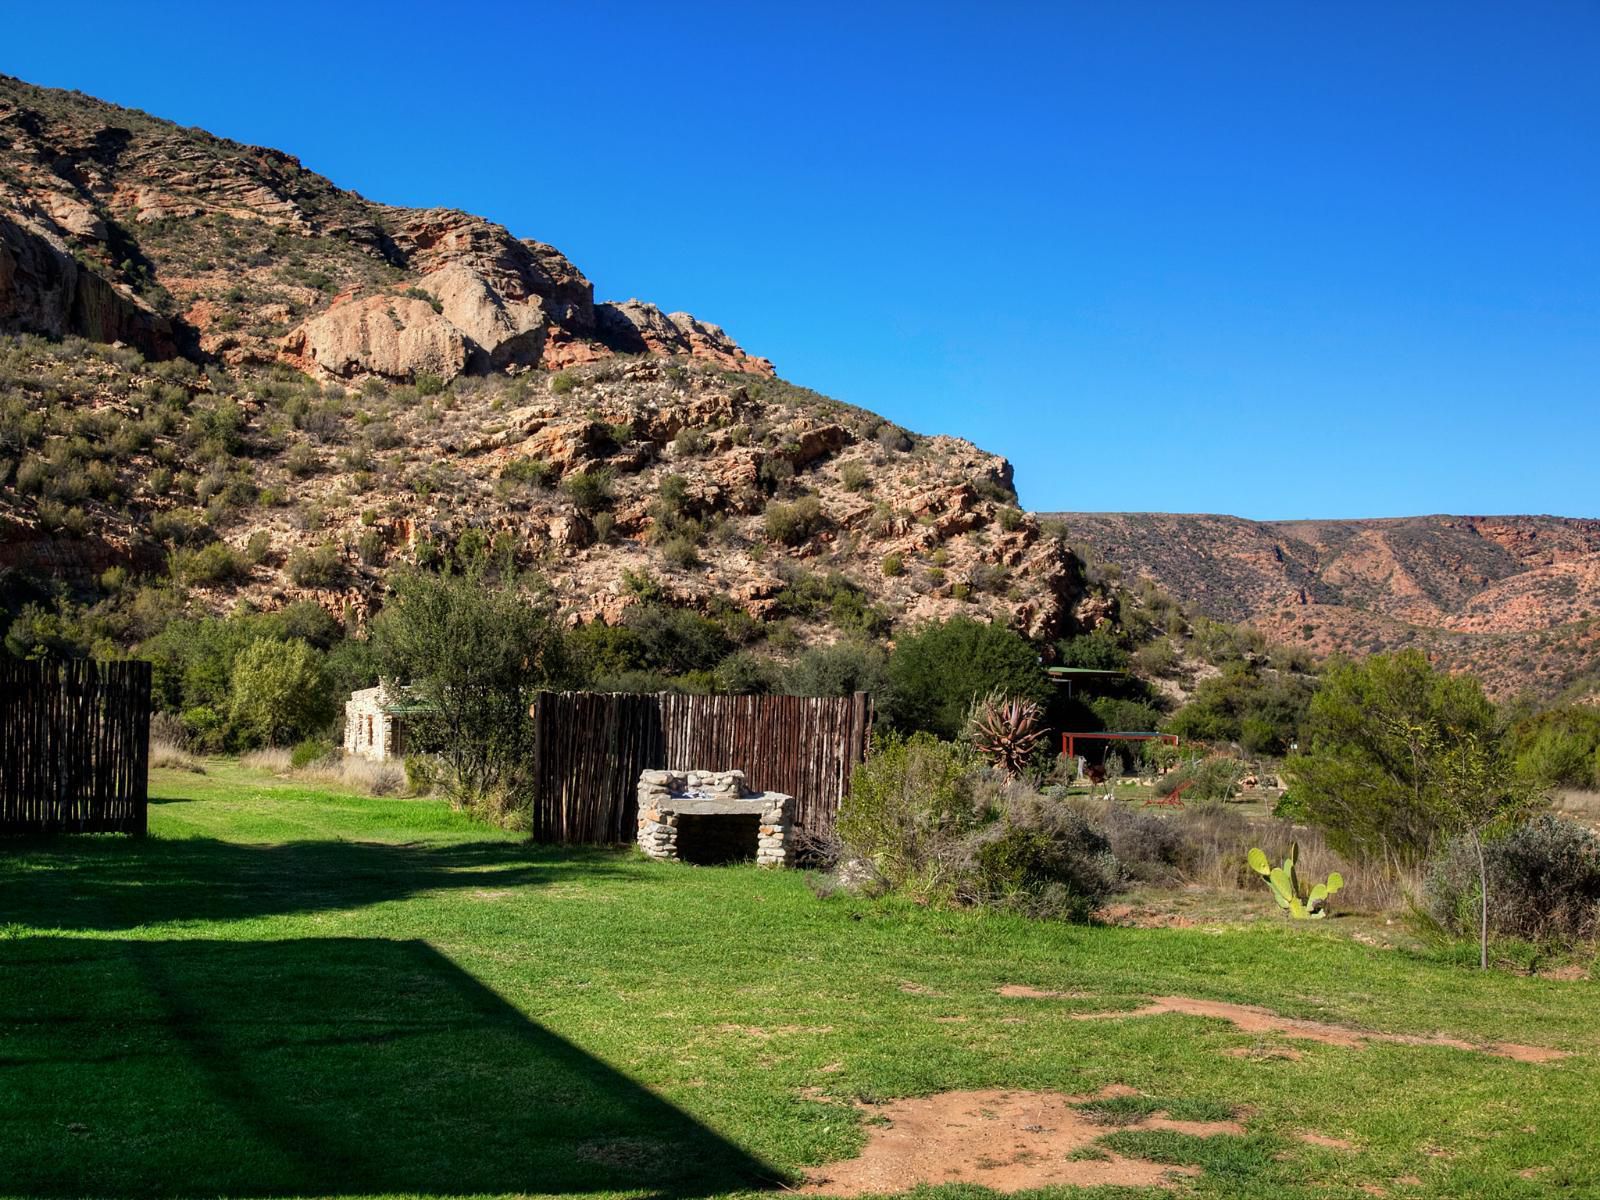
(708, 817)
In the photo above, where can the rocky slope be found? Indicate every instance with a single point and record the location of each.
(1515, 599)
(281, 390)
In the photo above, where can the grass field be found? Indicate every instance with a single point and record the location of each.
(288, 992)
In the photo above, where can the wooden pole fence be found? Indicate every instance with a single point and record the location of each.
(589, 748)
(74, 746)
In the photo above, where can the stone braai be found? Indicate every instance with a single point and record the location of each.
(708, 817)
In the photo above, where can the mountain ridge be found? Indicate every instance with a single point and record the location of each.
(1513, 598)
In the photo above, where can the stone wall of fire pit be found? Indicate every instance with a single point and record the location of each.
(709, 817)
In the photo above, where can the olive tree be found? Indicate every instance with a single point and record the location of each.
(473, 657)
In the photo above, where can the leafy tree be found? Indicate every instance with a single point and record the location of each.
(841, 669)
(1260, 709)
(1480, 795)
(1374, 728)
(1560, 748)
(936, 672)
(280, 693)
(1098, 650)
(474, 657)
(676, 641)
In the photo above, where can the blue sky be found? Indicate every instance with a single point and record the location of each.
(1274, 259)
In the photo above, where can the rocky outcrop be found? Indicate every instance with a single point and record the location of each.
(633, 327)
(502, 332)
(239, 234)
(397, 337)
(43, 289)
(431, 239)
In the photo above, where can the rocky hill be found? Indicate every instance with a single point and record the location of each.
(219, 365)
(1515, 599)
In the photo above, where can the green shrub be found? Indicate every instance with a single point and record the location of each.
(1009, 518)
(210, 565)
(302, 460)
(589, 491)
(1544, 883)
(832, 596)
(420, 772)
(475, 656)
(1043, 858)
(854, 476)
(528, 472)
(842, 669)
(370, 546)
(689, 442)
(893, 438)
(203, 727)
(1213, 778)
(312, 750)
(908, 807)
(746, 673)
(1560, 748)
(1365, 779)
(679, 551)
(563, 382)
(937, 671)
(893, 565)
(319, 567)
(792, 524)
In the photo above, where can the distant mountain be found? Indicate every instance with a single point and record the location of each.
(1514, 599)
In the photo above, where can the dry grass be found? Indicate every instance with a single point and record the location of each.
(271, 759)
(337, 770)
(1217, 837)
(165, 754)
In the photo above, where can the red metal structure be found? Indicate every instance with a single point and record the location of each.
(1069, 741)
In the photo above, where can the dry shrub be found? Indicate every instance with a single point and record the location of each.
(274, 759)
(1150, 847)
(168, 728)
(337, 769)
(504, 808)
(1544, 883)
(165, 754)
(1207, 844)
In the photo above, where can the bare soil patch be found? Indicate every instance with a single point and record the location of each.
(1021, 991)
(1251, 1019)
(1005, 1140)
(1322, 1139)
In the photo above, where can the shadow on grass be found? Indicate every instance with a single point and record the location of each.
(114, 883)
(313, 1067)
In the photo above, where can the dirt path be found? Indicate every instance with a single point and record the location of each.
(1251, 1019)
(1005, 1140)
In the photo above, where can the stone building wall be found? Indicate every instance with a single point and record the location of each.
(369, 730)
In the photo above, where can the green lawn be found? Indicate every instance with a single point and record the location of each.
(287, 992)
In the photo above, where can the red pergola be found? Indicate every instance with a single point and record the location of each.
(1070, 740)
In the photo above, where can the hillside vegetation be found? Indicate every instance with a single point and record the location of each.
(223, 370)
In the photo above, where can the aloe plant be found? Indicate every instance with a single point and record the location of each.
(1006, 731)
(1289, 891)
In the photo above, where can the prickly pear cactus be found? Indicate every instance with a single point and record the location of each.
(1287, 889)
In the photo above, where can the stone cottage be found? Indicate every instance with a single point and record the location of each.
(375, 722)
